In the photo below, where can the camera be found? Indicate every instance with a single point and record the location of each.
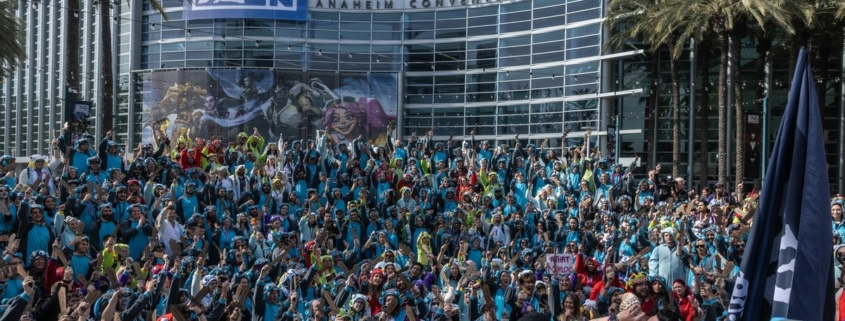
(664, 187)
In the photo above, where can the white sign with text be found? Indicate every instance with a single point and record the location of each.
(561, 264)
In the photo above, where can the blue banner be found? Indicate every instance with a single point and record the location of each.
(787, 269)
(253, 9)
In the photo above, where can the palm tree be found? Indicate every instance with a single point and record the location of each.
(72, 53)
(737, 33)
(723, 16)
(675, 34)
(656, 24)
(704, 47)
(11, 39)
(633, 21)
(767, 14)
(826, 25)
(107, 57)
(673, 22)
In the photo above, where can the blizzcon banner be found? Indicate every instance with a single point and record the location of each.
(250, 9)
(221, 103)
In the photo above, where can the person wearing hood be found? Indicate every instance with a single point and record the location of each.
(136, 232)
(120, 203)
(94, 174)
(114, 303)
(448, 202)
(267, 305)
(352, 227)
(35, 233)
(703, 261)
(71, 229)
(663, 294)
(407, 202)
(668, 260)
(711, 304)
(224, 235)
(392, 305)
(79, 258)
(109, 154)
(838, 218)
(603, 167)
(188, 204)
(17, 306)
(356, 307)
(240, 181)
(499, 231)
(104, 226)
(8, 210)
(425, 202)
(38, 172)
(79, 154)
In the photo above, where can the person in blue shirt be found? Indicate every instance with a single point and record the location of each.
(35, 233)
(105, 225)
(8, 211)
(838, 218)
(266, 298)
(94, 174)
(136, 232)
(79, 154)
(80, 259)
(109, 154)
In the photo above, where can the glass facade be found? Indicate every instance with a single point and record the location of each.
(499, 68)
(30, 96)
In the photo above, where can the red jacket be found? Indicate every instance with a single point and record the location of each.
(841, 307)
(685, 305)
(600, 287)
(586, 278)
(686, 308)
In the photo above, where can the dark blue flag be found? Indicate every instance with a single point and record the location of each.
(787, 270)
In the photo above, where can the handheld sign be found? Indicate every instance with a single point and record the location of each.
(561, 263)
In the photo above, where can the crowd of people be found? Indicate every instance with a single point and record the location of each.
(315, 229)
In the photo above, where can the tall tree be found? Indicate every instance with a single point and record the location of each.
(72, 85)
(11, 39)
(737, 34)
(722, 16)
(633, 19)
(106, 59)
(704, 48)
(624, 19)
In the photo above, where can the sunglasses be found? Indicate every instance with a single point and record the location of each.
(700, 246)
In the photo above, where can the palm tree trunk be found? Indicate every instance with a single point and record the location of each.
(736, 60)
(106, 67)
(824, 51)
(798, 40)
(703, 114)
(723, 108)
(651, 117)
(764, 46)
(676, 117)
(72, 55)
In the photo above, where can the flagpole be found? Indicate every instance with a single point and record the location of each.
(764, 158)
(690, 116)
